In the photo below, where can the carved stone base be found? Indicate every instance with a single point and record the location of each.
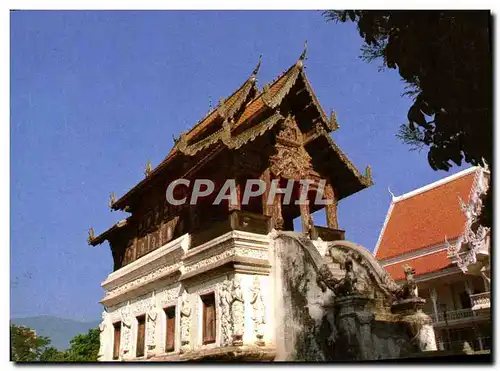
(237, 340)
(184, 347)
(259, 341)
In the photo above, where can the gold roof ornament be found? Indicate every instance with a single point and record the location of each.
(149, 169)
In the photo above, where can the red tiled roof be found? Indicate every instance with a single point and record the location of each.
(422, 265)
(425, 218)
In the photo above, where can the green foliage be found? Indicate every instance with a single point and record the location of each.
(84, 347)
(51, 354)
(27, 347)
(445, 58)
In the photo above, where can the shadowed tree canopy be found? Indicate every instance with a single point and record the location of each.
(26, 346)
(445, 59)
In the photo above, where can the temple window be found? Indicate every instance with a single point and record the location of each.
(170, 329)
(116, 339)
(208, 318)
(141, 334)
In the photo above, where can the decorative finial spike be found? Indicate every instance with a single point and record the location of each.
(210, 103)
(91, 235)
(303, 56)
(368, 172)
(257, 68)
(392, 194)
(149, 169)
(485, 164)
(112, 199)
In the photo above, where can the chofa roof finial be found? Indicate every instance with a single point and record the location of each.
(257, 68)
(303, 56)
(392, 194)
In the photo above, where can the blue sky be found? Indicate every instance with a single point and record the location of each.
(94, 95)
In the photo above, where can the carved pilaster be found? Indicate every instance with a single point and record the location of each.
(331, 209)
(277, 215)
(152, 316)
(236, 206)
(305, 214)
(266, 177)
(185, 322)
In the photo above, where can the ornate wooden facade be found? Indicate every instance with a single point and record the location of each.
(279, 132)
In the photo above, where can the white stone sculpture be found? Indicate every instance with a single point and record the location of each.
(185, 321)
(237, 312)
(259, 311)
(103, 337)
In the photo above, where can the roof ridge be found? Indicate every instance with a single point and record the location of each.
(249, 80)
(435, 184)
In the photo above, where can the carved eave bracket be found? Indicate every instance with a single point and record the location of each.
(97, 240)
(221, 108)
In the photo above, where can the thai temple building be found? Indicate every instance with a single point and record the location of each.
(232, 280)
(435, 230)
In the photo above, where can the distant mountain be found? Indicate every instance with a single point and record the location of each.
(59, 330)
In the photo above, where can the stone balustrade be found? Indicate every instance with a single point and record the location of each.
(452, 315)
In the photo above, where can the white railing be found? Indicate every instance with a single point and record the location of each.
(452, 315)
(480, 301)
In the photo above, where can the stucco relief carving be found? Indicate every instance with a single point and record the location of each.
(475, 237)
(151, 276)
(185, 321)
(259, 311)
(152, 315)
(208, 261)
(140, 305)
(168, 296)
(252, 253)
(126, 319)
